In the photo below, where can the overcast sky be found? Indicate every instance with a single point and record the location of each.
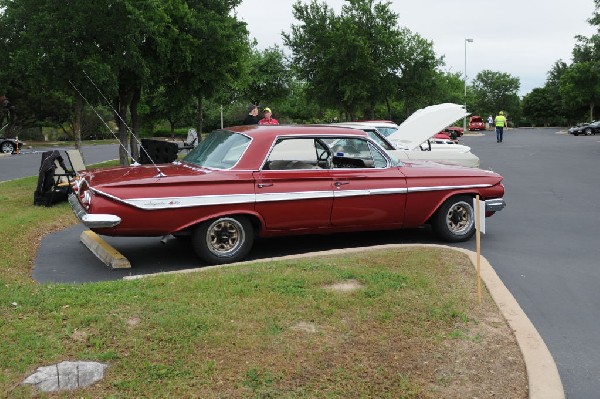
(520, 37)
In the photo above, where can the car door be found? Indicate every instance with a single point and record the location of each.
(367, 189)
(294, 187)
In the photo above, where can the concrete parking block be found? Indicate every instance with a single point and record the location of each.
(104, 251)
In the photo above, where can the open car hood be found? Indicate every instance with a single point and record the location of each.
(424, 123)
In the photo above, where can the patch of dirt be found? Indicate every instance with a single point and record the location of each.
(79, 336)
(345, 286)
(133, 321)
(485, 363)
(305, 327)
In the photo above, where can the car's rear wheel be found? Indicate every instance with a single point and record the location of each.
(588, 132)
(454, 221)
(223, 240)
(8, 147)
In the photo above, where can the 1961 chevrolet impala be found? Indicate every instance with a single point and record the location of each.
(249, 181)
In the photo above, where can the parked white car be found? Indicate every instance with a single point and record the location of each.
(412, 139)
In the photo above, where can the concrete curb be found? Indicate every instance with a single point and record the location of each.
(542, 373)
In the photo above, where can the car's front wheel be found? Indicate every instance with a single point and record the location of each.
(588, 132)
(8, 147)
(454, 221)
(223, 240)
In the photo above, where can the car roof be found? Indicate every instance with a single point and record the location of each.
(263, 137)
(272, 131)
(374, 123)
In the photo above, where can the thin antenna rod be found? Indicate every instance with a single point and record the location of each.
(160, 173)
(103, 121)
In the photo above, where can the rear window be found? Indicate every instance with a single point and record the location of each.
(220, 150)
(476, 119)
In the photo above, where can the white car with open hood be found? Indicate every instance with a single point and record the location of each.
(412, 139)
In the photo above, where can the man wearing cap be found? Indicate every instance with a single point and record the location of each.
(500, 122)
(252, 117)
(268, 119)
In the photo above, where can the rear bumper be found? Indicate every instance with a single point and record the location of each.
(92, 221)
(494, 205)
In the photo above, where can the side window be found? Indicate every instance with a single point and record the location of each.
(294, 153)
(352, 153)
(379, 160)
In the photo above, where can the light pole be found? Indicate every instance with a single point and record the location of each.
(467, 40)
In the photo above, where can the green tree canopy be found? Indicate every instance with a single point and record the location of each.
(269, 77)
(180, 48)
(360, 58)
(496, 91)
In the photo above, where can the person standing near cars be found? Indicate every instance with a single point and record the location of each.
(252, 117)
(500, 122)
(490, 122)
(268, 118)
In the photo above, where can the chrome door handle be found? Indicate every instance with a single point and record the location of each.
(262, 185)
(341, 183)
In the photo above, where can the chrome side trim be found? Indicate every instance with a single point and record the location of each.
(379, 191)
(208, 200)
(186, 202)
(300, 195)
(441, 188)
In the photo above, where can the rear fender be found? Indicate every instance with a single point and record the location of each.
(255, 218)
(445, 198)
(496, 191)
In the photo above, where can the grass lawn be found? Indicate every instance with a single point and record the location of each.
(401, 323)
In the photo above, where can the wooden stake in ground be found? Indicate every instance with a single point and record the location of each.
(478, 240)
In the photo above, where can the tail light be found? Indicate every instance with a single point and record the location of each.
(82, 190)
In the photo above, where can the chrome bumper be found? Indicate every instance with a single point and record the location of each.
(494, 205)
(92, 221)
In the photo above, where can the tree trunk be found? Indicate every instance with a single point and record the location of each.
(123, 133)
(592, 106)
(200, 115)
(135, 124)
(389, 108)
(78, 118)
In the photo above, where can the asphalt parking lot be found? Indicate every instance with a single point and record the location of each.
(544, 245)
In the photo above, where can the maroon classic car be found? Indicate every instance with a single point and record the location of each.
(249, 181)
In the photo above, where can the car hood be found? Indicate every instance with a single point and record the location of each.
(426, 122)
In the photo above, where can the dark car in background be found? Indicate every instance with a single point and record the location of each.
(585, 129)
(10, 146)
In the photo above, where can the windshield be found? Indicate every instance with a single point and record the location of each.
(220, 150)
(386, 131)
(376, 138)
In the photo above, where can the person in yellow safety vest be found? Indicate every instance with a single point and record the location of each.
(500, 122)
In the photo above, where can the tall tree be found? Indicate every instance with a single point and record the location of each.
(496, 91)
(219, 49)
(269, 77)
(358, 59)
(580, 85)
